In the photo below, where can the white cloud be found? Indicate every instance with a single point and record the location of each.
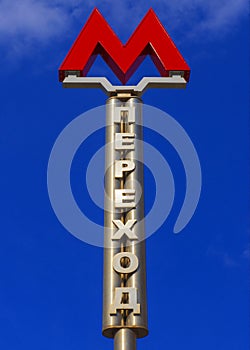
(29, 23)
(191, 17)
(30, 19)
(224, 15)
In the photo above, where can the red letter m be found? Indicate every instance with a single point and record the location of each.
(97, 38)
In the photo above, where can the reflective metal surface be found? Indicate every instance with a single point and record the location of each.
(125, 339)
(124, 287)
(174, 81)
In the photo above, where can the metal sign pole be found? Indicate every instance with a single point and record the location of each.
(125, 339)
(124, 281)
(124, 301)
(124, 289)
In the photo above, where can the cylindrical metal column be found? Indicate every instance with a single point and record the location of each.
(124, 325)
(125, 339)
(135, 179)
(111, 280)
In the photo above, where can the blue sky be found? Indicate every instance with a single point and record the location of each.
(198, 280)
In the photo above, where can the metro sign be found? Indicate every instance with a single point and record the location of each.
(98, 38)
(124, 279)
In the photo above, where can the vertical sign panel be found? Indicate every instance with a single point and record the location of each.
(124, 303)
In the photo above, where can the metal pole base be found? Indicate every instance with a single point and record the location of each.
(125, 339)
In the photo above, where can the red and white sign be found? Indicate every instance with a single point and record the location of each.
(149, 38)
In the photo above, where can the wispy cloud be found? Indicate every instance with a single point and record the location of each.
(30, 19)
(223, 257)
(192, 17)
(30, 23)
(246, 253)
(27, 25)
